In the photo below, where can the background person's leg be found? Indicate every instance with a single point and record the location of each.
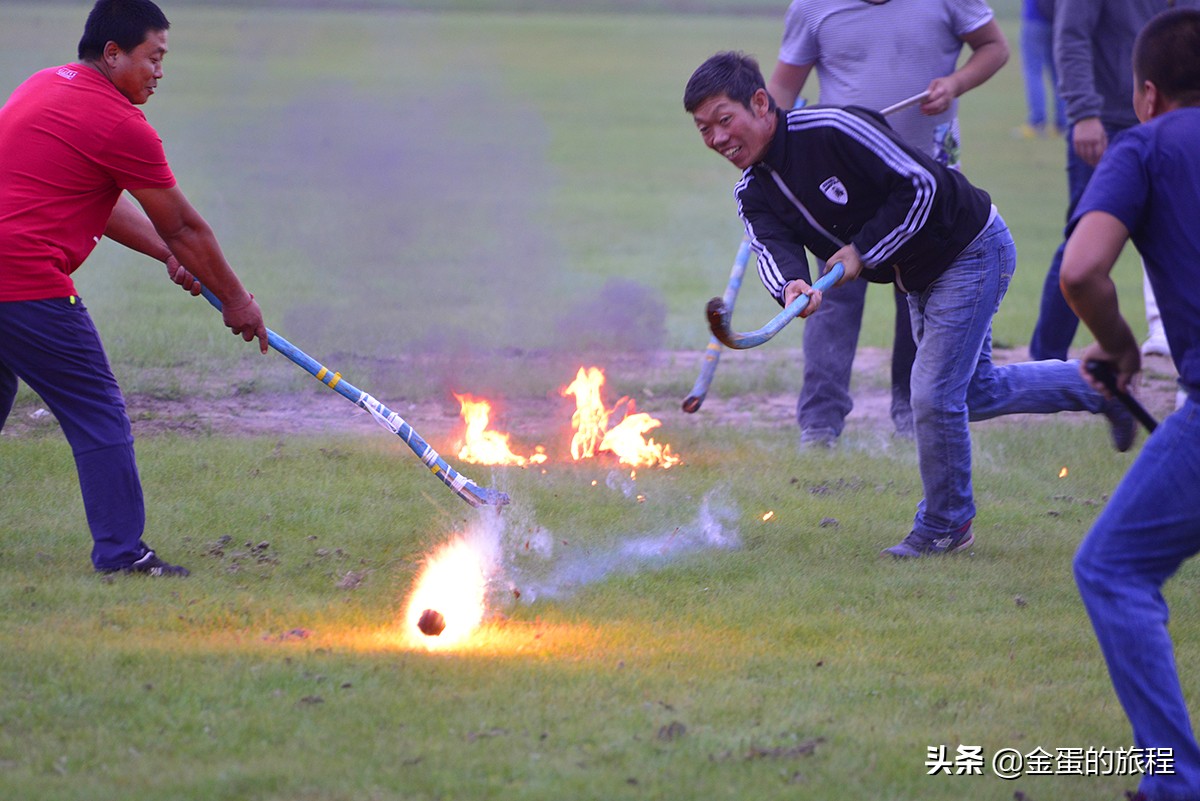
(830, 340)
(1056, 324)
(904, 350)
(1156, 341)
(1033, 66)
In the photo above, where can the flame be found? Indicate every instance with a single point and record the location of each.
(590, 425)
(1062, 473)
(482, 446)
(768, 516)
(626, 439)
(453, 582)
(590, 417)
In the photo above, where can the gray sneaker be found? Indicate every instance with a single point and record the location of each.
(915, 545)
(1122, 426)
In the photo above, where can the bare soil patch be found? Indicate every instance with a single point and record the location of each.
(316, 410)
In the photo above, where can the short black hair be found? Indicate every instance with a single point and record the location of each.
(125, 22)
(730, 73)
(1167, 53)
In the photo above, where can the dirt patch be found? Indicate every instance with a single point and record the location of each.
(318, 411)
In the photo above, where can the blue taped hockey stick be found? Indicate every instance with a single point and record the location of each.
(712, 354)
(718, 315)
(466, 489)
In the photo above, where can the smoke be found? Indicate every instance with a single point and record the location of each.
(624, 316)
(528, 561)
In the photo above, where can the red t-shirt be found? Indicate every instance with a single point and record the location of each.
(70, 143)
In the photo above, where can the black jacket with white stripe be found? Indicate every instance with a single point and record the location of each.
(832, 176)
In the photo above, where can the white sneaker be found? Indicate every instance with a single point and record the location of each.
(1156, 344)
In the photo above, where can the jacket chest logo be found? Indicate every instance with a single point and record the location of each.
(833, 189)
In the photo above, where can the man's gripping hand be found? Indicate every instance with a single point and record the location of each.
(851, 261)
(244, 317)
(795, 288)
(1126, 365)
(179, 274)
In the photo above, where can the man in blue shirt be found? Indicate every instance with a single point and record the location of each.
(1147, 189)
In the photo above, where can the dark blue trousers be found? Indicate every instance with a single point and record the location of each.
(54, 348)
(1056, 324)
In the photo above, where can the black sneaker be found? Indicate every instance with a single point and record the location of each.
(150, 565)
(915, 545)
(1122, 426)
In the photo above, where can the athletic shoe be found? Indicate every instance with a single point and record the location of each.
(150, 565)
(1156, 344)
(1027, 131)
(1122, 426)
(915, 545)
(817, 438)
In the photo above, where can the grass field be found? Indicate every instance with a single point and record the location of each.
(456, 198)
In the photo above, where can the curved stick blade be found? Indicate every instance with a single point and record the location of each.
(718, 322)
(718, 315)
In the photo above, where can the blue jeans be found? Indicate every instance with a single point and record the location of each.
(1037, 60)
(53, 347)
(954, 380)
(1056, 324)
(1145, 532)
(830, 341)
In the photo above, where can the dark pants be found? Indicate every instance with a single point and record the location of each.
(830, 342)
(53, 347)
(1057, 324)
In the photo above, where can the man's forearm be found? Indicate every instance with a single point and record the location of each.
(1086, 279)
(198, 250)
(1095, 303)
(128, 226)
(989, 52)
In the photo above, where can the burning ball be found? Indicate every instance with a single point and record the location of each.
(431, 623)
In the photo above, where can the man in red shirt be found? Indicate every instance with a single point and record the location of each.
(72, 144)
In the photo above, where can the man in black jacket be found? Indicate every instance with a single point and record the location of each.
(840, 183)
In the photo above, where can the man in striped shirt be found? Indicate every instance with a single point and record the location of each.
(841, 184)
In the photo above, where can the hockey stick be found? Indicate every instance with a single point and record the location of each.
(712, 354)
(718, 315)
(903, 104)
(466, 489)
(1103, 372)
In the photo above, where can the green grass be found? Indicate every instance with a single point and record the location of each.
(462, 189)
(261, 677)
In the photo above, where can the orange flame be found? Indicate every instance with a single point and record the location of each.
(453, 583)
(626, 440)
(1062, 473)
(482, 446)
(590, 417)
